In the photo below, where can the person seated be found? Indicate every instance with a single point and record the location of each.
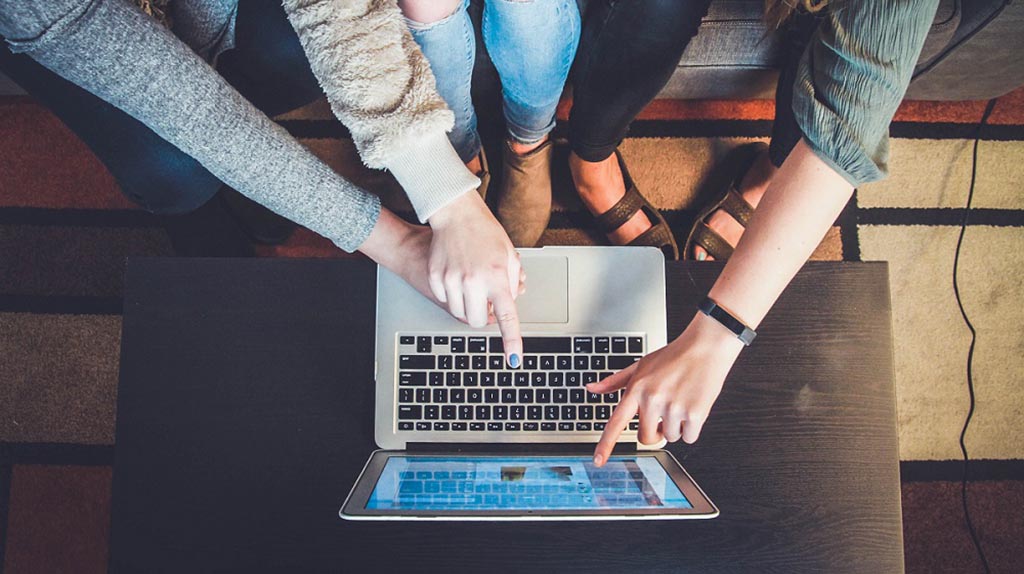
(848, 65)
(532, 45)
(137, 83)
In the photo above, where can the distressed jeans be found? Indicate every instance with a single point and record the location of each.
(532, 44)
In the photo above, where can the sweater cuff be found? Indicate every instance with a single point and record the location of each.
(431, 174)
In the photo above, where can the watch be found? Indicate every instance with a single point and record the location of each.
(742, 332)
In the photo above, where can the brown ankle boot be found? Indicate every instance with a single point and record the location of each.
(524, 195)
(484, 174)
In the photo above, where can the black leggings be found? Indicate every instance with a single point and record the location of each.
(629, 50)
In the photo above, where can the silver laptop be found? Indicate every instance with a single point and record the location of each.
(448, 407)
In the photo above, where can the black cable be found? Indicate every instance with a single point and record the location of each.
(974, 336)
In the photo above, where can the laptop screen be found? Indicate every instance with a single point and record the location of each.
(527, 483)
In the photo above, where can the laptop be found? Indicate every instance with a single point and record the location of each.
(465, 437)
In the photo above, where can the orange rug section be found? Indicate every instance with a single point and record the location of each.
(1008, 111)
(43, 164)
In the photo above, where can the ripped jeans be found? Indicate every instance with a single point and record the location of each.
(532, 44)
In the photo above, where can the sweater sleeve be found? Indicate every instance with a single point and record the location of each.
(380, 86)
(852, 78)
(112, 50)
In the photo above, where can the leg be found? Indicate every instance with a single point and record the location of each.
(627, 53)
(532, 44)
(785, 135)
(444, 32)
(268, 65)
(150, 171)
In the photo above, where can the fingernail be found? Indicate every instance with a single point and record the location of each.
(597, 459)
(702, 256)
(513, 360)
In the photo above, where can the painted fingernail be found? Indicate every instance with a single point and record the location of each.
(702, 256)
(513, 360)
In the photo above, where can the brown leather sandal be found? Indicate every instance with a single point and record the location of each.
(731, 201)
(658, 235)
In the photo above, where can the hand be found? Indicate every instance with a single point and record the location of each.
(474, 269)
(672, 388)
(404, 249)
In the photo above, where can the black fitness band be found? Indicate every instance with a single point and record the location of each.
(711, 309)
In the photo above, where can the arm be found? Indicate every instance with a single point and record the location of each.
(380, 86)
(847, 91)
(122, 56)
(680, 382)
(165, 86)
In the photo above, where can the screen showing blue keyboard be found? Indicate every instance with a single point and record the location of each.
(524, 483)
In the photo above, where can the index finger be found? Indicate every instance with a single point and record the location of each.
(507, 317)
(616, 424)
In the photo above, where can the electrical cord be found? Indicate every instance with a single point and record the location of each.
(974, 336)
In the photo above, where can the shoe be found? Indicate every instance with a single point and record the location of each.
(209, 231)
(259, 223)
(731, 200)
(657, 235)
(484, 174)
(524, 194)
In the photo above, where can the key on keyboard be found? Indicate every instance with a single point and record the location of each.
(547, 394)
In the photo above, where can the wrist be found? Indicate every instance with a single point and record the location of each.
(384, 244)
(712, 334)
(460, 208)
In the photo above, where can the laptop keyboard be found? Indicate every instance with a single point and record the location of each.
(462, 384)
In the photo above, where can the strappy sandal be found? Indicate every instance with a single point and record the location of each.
(659, 235)
(731, 201)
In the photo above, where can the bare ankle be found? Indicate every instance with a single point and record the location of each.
(595, 177)
(755, 182)
(475, 165)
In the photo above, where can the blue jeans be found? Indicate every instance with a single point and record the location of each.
(532, 44)
(267, 66)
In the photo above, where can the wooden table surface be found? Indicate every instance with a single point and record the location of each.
(245, 415)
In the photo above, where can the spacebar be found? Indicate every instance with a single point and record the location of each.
(537, 345)
(547, 345)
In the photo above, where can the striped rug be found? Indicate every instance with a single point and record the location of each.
(65, 231)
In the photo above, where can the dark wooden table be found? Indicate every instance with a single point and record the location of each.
(245, 414)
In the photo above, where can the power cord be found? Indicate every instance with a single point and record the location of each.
(974, 336)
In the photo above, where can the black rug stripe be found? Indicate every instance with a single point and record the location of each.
(849, 236)
(952, 470)
(6, 468)
(940, 216)
(58, 454)
(60, 304)
(331, 129)
(559, 219)
(78, 217)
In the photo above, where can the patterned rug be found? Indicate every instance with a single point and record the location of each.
(65, 231)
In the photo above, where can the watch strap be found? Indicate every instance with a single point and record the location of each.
(741, 330)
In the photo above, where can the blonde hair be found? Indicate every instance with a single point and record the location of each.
(776, 12)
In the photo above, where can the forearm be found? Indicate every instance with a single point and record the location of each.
(380, 86)
(801, 204)
(123, 57)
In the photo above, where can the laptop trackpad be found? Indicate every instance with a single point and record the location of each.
(547, 290)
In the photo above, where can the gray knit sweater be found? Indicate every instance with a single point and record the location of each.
(378, 84)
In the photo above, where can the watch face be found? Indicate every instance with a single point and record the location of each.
(711, 309)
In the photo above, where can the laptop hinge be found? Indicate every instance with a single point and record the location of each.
(532, 447)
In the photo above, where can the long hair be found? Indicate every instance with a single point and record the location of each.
(776, 12)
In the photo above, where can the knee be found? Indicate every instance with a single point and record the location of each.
(167, 182)
(427, 12)
(669, 20)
